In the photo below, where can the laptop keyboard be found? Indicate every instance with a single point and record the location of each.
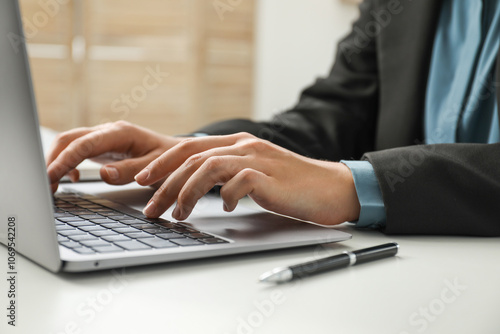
(87, 225)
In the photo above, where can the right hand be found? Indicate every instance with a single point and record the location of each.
(124, 148)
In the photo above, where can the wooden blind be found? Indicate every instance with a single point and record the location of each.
(170, 65)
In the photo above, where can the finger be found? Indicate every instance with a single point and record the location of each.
(123, 172)
(216, 170)
(74, 175)
(247, 182)
(74, 153)
(211, 162)
(54, 186)
(172, 159)
(168, 192)
(95, 143)
(62, 140)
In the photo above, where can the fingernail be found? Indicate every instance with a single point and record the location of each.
(150, 209)
(73, 178)
(176, 213)
(143, 175)
(112, 173)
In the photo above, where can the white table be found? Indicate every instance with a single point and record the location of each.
(435, 285)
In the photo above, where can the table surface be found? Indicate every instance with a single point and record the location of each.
(434, 285)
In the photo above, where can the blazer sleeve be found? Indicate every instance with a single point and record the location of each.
(335, 117)
(447, 189)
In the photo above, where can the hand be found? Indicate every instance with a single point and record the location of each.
(275, 178)
(128, 147)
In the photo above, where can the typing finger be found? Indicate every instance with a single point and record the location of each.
(92, 144)
(62, 140)
(168, 192)
(214, 171)
(176, 156)
(247, 182)
(123, 172)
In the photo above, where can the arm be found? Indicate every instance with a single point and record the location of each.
(275, 178)
(440, 189)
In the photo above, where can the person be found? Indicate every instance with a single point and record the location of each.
(402, 135)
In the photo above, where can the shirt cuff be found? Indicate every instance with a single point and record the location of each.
(372, 214)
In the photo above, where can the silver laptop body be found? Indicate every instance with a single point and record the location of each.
(26, 211)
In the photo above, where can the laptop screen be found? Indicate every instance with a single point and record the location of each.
(26, 214)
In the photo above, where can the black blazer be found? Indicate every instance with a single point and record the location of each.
(371, 107)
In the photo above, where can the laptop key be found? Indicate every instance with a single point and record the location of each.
(139, 235)
(79, 211)
(180, 229)
(127, 229)
(91, 217)
(62, 214)
(61, 238)
(69, 219)
(132, 245)
(143, 226)
(197, 235)
(187, 242)
(158, 243)
(113, 225)
(189, 229)
(64, 227)
(66, 206)
(90, 206)
(78, 201)
(108, 249)
(95, 243)
(130, 221)
(92, 228)
(116, 237)
(166, 224)
(84, 250)
(83, 237)
(104, 211)
(104, 232)
(104, 221)
(81, 223)
(119, 217)
(171, 235)
(156, 230)
(71, 244)
(67, 233)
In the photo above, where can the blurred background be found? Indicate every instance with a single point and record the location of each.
(175, 65)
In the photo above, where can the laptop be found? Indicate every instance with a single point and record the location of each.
(73, 232)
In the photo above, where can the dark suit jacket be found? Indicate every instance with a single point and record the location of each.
(371, 106)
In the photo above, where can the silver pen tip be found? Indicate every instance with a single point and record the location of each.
(277, 275)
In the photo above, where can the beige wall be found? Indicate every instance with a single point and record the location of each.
(169, 65)
(243, 58)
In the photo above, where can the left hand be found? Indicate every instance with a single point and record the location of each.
(275, 178)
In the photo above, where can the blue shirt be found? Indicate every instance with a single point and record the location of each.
(460, 102)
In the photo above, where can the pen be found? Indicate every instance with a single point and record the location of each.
(346, 259)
